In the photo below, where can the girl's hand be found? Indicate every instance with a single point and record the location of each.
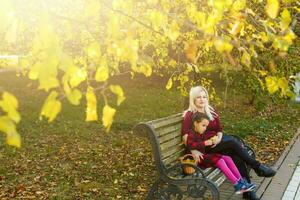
(184, 139)
(198, 155)
(208, 143)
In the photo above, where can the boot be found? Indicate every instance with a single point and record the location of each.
(250, 196)
(264, 171)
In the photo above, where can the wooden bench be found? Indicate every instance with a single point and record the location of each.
(166, 141)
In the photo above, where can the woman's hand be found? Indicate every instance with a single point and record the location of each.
(217, 140)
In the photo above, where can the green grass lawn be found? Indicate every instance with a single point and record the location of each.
(73, 159)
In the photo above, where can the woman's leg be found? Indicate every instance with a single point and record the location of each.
(236, 149)
(241, 165)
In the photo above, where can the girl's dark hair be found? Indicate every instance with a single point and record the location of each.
(198, 117)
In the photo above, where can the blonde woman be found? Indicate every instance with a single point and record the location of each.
(199, 102)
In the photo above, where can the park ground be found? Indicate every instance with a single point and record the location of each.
(73, 159)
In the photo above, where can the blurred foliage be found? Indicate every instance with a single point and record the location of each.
(73, 48)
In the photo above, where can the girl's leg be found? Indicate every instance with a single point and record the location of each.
(221, 164)
(229, 162)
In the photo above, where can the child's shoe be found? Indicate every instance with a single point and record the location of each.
(242, 186)
(244, 181)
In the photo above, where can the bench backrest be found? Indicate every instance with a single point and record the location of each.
(166, 139)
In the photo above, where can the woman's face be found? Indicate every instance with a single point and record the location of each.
(201, 100)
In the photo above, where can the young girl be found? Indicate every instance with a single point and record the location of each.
(199, 140)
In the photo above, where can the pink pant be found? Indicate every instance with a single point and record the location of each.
(227, 166)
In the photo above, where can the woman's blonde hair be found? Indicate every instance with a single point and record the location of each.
(194, 93)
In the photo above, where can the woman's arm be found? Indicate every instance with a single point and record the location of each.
(216, 126)
(218, 140)
(186, 127)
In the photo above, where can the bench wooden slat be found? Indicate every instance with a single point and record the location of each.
(168, 137)
(170, 151)
(173, 142)
(214, 173)
(168, 130)
(166, 122)
(220, 180)
(173, 157)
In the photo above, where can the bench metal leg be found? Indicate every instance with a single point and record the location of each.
(200, 189)
(153, 190)
(163, 191)
(205, 189)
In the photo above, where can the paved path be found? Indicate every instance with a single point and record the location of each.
(285, 185)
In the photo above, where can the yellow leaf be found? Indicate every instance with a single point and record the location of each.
(66, 62)
(222, 46)
(272, 66)
(93, 51)
(77, 75)
(13, 139)
(246, 59)
(102, 73)
(236, 28)
(173, 31)
(272, 8)
(157, 19)
(146, 70)
(51, 107)
(285, 19)
(9, 104)
(271, 83)
(7, 125)
(48, 83)
(191, 50)
(108, 115)
(116, 89)
(11, 99)
(261, 84)
(74, 97)
(289, 37)
(91, 109)
(250, 11)
(283, 85)
(262, 72)
(169, 84)
(34, 71)
(239, 5)
(220, 5)
(263, 36)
